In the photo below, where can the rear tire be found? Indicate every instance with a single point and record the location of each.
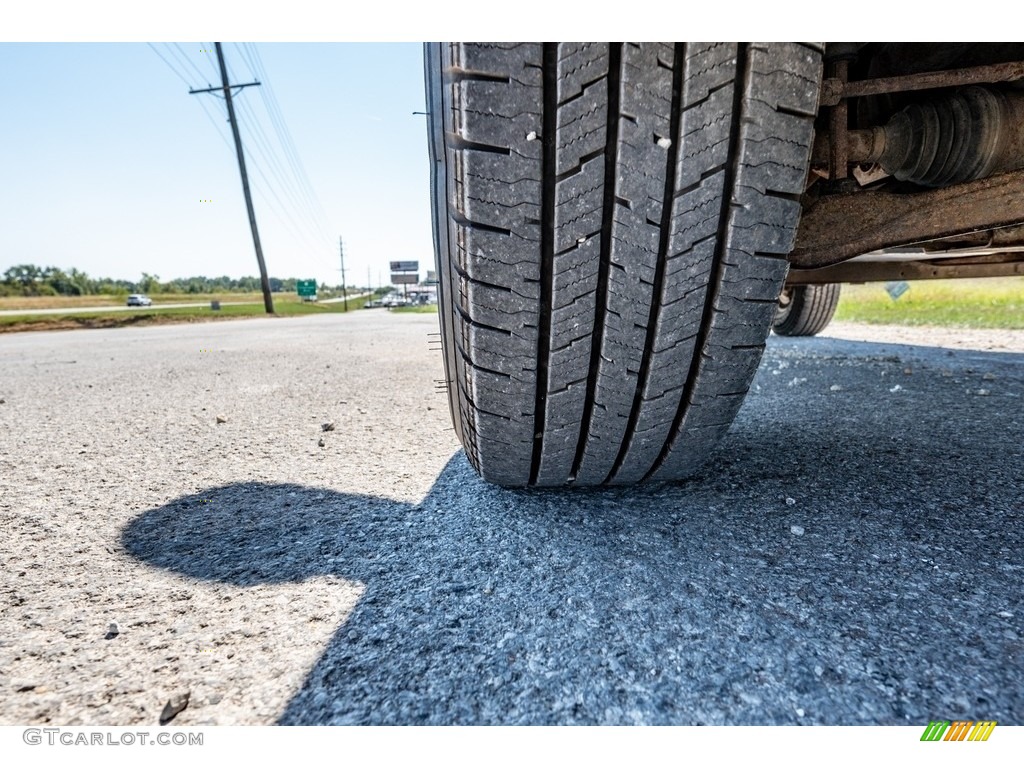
(611, 223)
(805, 310)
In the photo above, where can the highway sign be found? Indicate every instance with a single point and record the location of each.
(431, 277)
(305, 287)
(405, 279)
(405, 266)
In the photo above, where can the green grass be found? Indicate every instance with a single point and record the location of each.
(283, 307)
(104, 300)
(977, 303)
(969, 303)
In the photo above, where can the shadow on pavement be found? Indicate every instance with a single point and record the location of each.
(849, 557)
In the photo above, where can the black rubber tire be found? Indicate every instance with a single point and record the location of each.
(805, 310)
(611, 223)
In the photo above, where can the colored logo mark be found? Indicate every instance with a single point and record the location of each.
(958, 730)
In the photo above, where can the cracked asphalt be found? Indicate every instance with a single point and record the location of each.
(851, 554)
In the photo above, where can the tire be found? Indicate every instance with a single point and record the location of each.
(805, 310)
(611, 223)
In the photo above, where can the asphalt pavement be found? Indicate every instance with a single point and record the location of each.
(176, 521)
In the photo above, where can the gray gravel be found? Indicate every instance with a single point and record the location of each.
(852, 555)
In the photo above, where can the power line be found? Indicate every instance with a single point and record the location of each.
(169, 65)
(287, 143)
(291, 180)
(190, 63)
(183, 79)
(266, 150)
(181, 61)
(217, 127)
(295, 230)
(307, 244)
(280, 129)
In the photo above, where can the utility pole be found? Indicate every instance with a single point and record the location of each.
(344, 290)
(268, 301)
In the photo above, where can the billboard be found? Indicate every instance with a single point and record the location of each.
(405, 266)
(405, 279)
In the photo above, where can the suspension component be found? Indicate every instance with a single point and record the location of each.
(971, 134)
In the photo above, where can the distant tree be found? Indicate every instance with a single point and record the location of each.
(32, 280)
(23, 275)
(62, 283)
(82, 282)
(149, 283)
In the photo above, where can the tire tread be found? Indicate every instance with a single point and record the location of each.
(612, 235)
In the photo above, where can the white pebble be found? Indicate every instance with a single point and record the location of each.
(897, 388)
(664, 143)
(581, 240)
(796, 530)
(790, 501)
(835, 388)
(531, 136)
(799, 712)
(1005, 615)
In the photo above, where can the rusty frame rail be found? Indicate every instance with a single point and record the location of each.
(834, 89)
(840, 227)
(881, 271)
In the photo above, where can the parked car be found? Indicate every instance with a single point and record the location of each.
(395, 300)
(139, 300)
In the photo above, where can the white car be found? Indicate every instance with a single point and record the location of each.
(139, 300)
(395, 300)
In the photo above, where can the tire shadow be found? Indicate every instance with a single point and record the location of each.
(848, 556)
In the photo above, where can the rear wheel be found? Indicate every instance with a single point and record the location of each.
(611, 223)
(805, 310)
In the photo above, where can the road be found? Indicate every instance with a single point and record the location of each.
(852, 555)
(123, 308)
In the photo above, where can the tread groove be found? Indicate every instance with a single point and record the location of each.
(604, 266)
(549, 138)
(658, 291)
(457, 142)
(462, 221)
(721, 248)
(478, 324)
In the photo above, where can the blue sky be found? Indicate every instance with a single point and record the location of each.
(106, 158)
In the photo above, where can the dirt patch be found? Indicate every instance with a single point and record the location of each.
(108, 321)
(983, 339)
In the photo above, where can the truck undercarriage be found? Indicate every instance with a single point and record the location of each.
(917, 165)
